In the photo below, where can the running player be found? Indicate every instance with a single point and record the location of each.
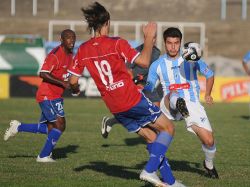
(49, 96)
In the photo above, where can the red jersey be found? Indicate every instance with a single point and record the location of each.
(56, 63)
(105, 57)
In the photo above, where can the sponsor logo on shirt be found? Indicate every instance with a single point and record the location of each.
(115, 85)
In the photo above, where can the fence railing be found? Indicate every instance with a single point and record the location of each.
(137, 26)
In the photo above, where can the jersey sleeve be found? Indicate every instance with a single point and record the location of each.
(204, 69)
(152, 77)
(50, 63)
(77, 66)
(246, 58)
(128, 53)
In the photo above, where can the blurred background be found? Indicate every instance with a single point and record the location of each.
(31, 28)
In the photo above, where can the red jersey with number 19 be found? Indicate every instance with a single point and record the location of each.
(105, 57)
(56, 63)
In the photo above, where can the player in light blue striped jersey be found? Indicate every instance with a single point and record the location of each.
(181, 90)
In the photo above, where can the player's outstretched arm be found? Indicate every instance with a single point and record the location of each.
(149, 32)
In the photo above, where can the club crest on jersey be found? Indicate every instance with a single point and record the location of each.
(115, 85)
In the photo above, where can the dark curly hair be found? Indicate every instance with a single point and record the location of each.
(96, 16)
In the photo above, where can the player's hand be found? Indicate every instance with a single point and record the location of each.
(150, 30)
(66, 85)
(209, 99)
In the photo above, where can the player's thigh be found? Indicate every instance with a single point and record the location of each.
(51, 110)
(162, 123)
(198, 117)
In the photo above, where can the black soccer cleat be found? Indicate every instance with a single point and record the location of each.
(181, 107)
(211, 173)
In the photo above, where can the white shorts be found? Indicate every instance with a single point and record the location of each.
(197, 115)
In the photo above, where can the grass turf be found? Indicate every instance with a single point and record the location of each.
(85, 159)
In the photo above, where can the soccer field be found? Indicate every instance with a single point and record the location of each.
(85, 159)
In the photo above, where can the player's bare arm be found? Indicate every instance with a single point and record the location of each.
(209, 87)
(149, 31)
(245, 67)
(47, 77)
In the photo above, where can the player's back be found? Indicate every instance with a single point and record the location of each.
(105, 57)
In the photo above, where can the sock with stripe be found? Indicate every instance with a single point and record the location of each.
(165, 170)
(158, 151)
(33, 128)
(50, 143)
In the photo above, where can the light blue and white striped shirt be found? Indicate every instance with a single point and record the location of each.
(177, 72)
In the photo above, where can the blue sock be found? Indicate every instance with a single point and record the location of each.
(33, 128)
(158, 150)
(165, 170)
(52, 139)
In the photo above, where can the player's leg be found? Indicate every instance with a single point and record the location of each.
(177, 103)
(106, 126)
(54, 113)
(168, 178)
(209, 149)
(17, 126)
(199, 124)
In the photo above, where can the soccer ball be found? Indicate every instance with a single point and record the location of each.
(191, 52)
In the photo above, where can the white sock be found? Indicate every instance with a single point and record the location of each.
(209, 155)
(173, 98)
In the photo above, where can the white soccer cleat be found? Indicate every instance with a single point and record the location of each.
(177, 184)
(45, 159)
(152, 178)
(12, 130)
(105, 127)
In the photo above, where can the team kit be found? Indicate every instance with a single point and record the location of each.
(129, 81)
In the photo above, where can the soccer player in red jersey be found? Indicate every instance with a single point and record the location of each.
(49, 96)
(105, 57)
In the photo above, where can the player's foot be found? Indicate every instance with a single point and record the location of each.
(177, 184)
(181, 107)
(12, 130)
(152, 178)
(105, 127)
(212, 173)
(45, 159)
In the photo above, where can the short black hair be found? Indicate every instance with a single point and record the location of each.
(65, 32)
(96, 16)
(172, 32)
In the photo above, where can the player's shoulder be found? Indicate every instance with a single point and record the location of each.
(160, 60)
(55, 50)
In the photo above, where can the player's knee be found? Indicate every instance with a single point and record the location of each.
(209, 142)
(61, 124)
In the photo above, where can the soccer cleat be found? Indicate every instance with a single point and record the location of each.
(12, 130)
(152, 178)
(181, 107)
(45, 159)
(177, 184)
(105, 127)
(212, 173)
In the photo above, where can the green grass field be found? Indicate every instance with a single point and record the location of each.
(85, 159)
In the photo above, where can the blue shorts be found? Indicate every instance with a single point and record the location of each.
(51, 109)
(140, 115)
